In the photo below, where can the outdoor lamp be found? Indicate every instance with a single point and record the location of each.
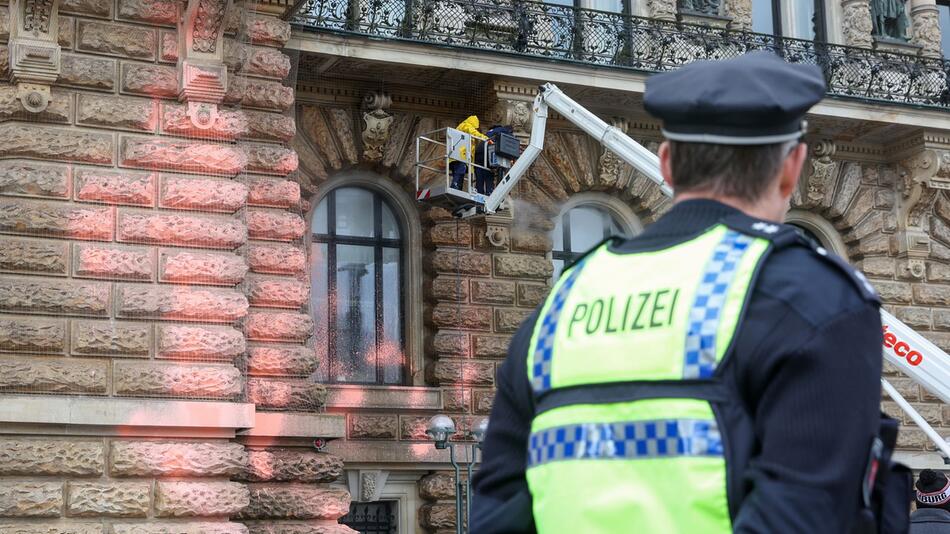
(440, 429)
(478, 431)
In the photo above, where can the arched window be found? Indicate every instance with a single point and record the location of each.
(584, 221)
(357, 282)
(819, 229)
(799, 19)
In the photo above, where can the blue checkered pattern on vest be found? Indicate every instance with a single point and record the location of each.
(627, 440)
(700, 357)
(544, 350)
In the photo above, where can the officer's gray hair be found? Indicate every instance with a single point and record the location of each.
(727, 170)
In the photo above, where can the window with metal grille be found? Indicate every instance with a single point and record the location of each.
(372, 517)
(579, 228)
(356, 287)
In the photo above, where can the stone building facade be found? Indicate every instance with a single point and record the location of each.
(193, 194)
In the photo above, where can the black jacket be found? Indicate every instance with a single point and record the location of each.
(930, 521)
(808, 363)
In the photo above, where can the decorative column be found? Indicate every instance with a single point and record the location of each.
(856, 23)
(34, 52)
(925, 27)
(202, 73)
(740, 11)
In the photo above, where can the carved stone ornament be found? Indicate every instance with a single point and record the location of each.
(821, 180)
(609, 164)
(856, 23)
(34, 51)
(366, 485)
(377, 124)
(202, 73)
(924, 174)
(514, 113)
(926, 26)
(207, 24)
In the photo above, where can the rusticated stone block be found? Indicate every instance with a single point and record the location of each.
(39, 457)
(58, 109)
(278, 326)
(4, 25)
(20, 498)
(436, 516)
(112, 499)
(4, 61)
(508, 320)
(456, 399)
(168, 46)
(51, 528)
(931, 294)
(201, 267)
(57, 144)
(414, 428)
(276, 259)
(32, 334)
(183, 155)
(116, 39)
(450, 234)
(54, 296)
(292, 465)
(467, 373)
(62, 376)
(273, 193)
(102, 338)
(191, 527)
(483, 401)
(450, 343)
(296, 501)
(286, 394)
(373, 426)
(272, 31)
(88, 72)
(176, 458)
(287, 360)
(124, 113)
(447, 287)
(125, 187)
(92, 8)
(271, 159)
(325, 526)
(270, 126)
(208, 194)
(149, 11)
(461, 262)
(519, 266)
(532, 294)
(277, 292)
(55, 219)
(227, 125)
(33, 256)
(67, 32)
(157, 81)
(29, 178)
(105, 261)
(493, 291)
(529, 241)
(178, 229)
(490, 346)
(213, 381)
(893, 292)
(179, 302)
(437, 487)
(464, 317)
(260, 94)
(181, 341)
(199, 499)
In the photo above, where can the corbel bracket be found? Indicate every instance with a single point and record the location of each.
(202, 73)
(34, 53)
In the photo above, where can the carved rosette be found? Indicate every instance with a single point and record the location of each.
(34, 51)
(925, 21)
(377, 124)
(856, 23)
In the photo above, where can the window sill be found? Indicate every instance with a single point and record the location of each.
(383, 397)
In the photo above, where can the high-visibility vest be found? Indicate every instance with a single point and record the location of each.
(633, 419)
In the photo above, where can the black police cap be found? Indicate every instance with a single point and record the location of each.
(754, 99)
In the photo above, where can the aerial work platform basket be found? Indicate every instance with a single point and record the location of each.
(435, 153)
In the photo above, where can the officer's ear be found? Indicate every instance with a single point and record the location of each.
(792, 169)
(666, 166)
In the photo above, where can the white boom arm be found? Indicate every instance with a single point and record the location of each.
(904, 348)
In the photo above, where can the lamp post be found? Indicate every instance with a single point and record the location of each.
(440, 429)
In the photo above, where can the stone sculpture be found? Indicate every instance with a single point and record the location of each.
(889, 19)
(706, 7)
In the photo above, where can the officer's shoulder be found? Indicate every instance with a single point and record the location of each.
(804, 273)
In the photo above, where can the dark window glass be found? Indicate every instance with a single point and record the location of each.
(356, 293)
(763, 20)
(797, 19)
(943, 7)
(578, 229)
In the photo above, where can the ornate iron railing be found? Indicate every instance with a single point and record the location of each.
(587, 36)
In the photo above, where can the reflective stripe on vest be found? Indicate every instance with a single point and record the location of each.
(650, 464)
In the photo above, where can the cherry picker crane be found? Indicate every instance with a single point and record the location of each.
(904, 348)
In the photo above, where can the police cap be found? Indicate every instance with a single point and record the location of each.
(754, 99)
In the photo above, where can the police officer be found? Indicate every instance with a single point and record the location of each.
(716, 373)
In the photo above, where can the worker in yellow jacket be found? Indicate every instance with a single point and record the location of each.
(458, 168)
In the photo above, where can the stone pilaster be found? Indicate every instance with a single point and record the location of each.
(925, 27)
(856, 23)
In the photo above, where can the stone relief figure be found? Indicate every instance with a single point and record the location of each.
(889, 19)
(706, 7)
